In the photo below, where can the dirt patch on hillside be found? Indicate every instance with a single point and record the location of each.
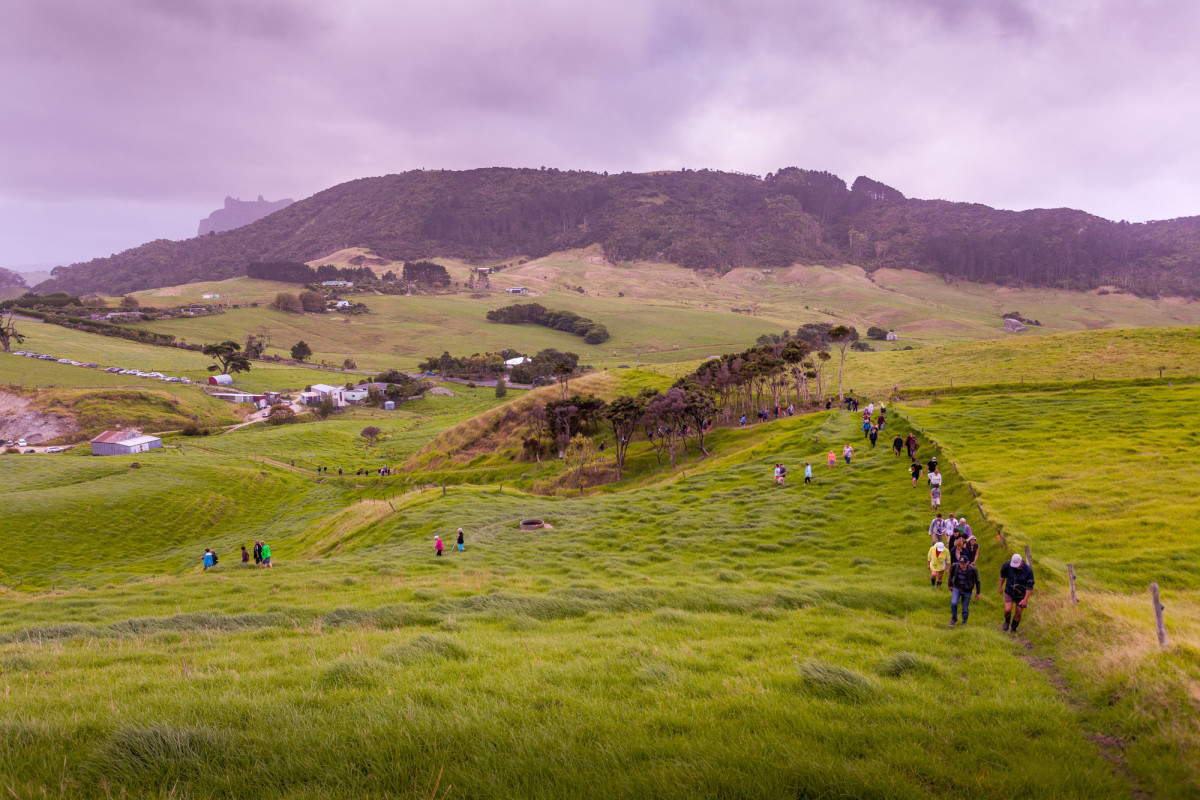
(19, 421)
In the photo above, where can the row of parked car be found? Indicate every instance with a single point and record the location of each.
(114, 370)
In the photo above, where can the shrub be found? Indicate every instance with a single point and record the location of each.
(194, 429)
(501, 387)
(280, 415)
(286, 301)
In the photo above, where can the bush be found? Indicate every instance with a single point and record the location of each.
(286, 301)
(280, 415)
(501, 387)
(194, 429)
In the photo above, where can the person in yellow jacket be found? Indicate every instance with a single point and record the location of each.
(937, 558)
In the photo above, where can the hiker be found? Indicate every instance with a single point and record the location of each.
(339, 470)
(832, 459)
(931, 468)
(743, 421)
(874, 436)
(912, 444)
(971, 549)
(791, 409)
(266, 556)
(828, 403)
(962, 580)
(847, 452)
(935, 477)
(866, 427)
(807, 472)
(257, 552)
(897, 444)
(870, 408)
(438, 545)
(935, 529)
(462, 545)
(915, 469)
(966, 528)
(1016, 584)
(207, 560)
(937, 558)
(778, 467)
(935, 498)
(245, 555)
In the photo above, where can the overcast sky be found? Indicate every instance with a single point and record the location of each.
(130, 120)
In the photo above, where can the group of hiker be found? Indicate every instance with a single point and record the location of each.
(953, 554)
(438, 546)
(262, 556)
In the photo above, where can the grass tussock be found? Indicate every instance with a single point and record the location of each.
(161, 755)
(903, 663)
(346, 673)
(426, 648)
(822, 679)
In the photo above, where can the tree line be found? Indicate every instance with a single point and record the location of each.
(567, 321)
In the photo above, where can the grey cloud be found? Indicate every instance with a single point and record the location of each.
(176, 103)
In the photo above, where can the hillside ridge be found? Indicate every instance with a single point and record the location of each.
(699, 219)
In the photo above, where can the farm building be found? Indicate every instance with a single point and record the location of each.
(346, 284)
(256, 400)
(517, 290)
(355, 395)
(210, 297)
(120, 443)
(220, 380)
(319, 391)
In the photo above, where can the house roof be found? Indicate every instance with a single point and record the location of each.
(325, 388)
(136, 440)
(516, 362)
(108, 437)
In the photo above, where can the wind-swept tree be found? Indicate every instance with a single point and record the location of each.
(9, 332)
(623, 414)
(842, 336)
(229, 357)
(578, 454)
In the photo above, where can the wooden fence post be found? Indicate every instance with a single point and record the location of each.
(1028, 556)
(1158, 617)
(443, 490)
(1071, 578)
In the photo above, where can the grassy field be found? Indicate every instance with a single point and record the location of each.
(1104, 480)
(112, 352)
(710, 636)
(662, 312)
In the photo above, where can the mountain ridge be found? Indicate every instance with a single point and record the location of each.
(699, 219)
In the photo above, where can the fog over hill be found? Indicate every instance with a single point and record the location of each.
(700, 219)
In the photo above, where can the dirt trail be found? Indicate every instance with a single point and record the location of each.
(18, 421)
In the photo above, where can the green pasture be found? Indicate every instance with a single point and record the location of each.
(1104, 480)
(108, 351)
(338, 441)
(707, 636)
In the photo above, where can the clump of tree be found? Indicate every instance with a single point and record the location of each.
(229, 357)
(371, 434)
(426, 273)
(286, 301)
(567, 321)
(280, 415)
(545, 366)
(301, 351)
(312, 302)
(877, 333)
(299, 272)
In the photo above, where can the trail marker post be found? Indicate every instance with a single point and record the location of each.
(1071, 578)
(1158, 617)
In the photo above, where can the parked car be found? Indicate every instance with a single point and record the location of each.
(22, 443)
(27, 452)
(112, 369)
(55, 449)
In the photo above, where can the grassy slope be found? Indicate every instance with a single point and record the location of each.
(668, 313)
(1104, 480)
(711, 636)
(1078, 356)
(106, 351)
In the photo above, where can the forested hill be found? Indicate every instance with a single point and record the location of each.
(700, 219)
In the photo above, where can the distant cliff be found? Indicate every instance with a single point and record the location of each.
(237, 213)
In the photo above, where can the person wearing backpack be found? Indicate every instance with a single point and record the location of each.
(266, 555)
(461, 542)
(257, 553)
(964, 579)
(208, 559)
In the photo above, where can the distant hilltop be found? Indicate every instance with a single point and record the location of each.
(237, 213)
(698, 219)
